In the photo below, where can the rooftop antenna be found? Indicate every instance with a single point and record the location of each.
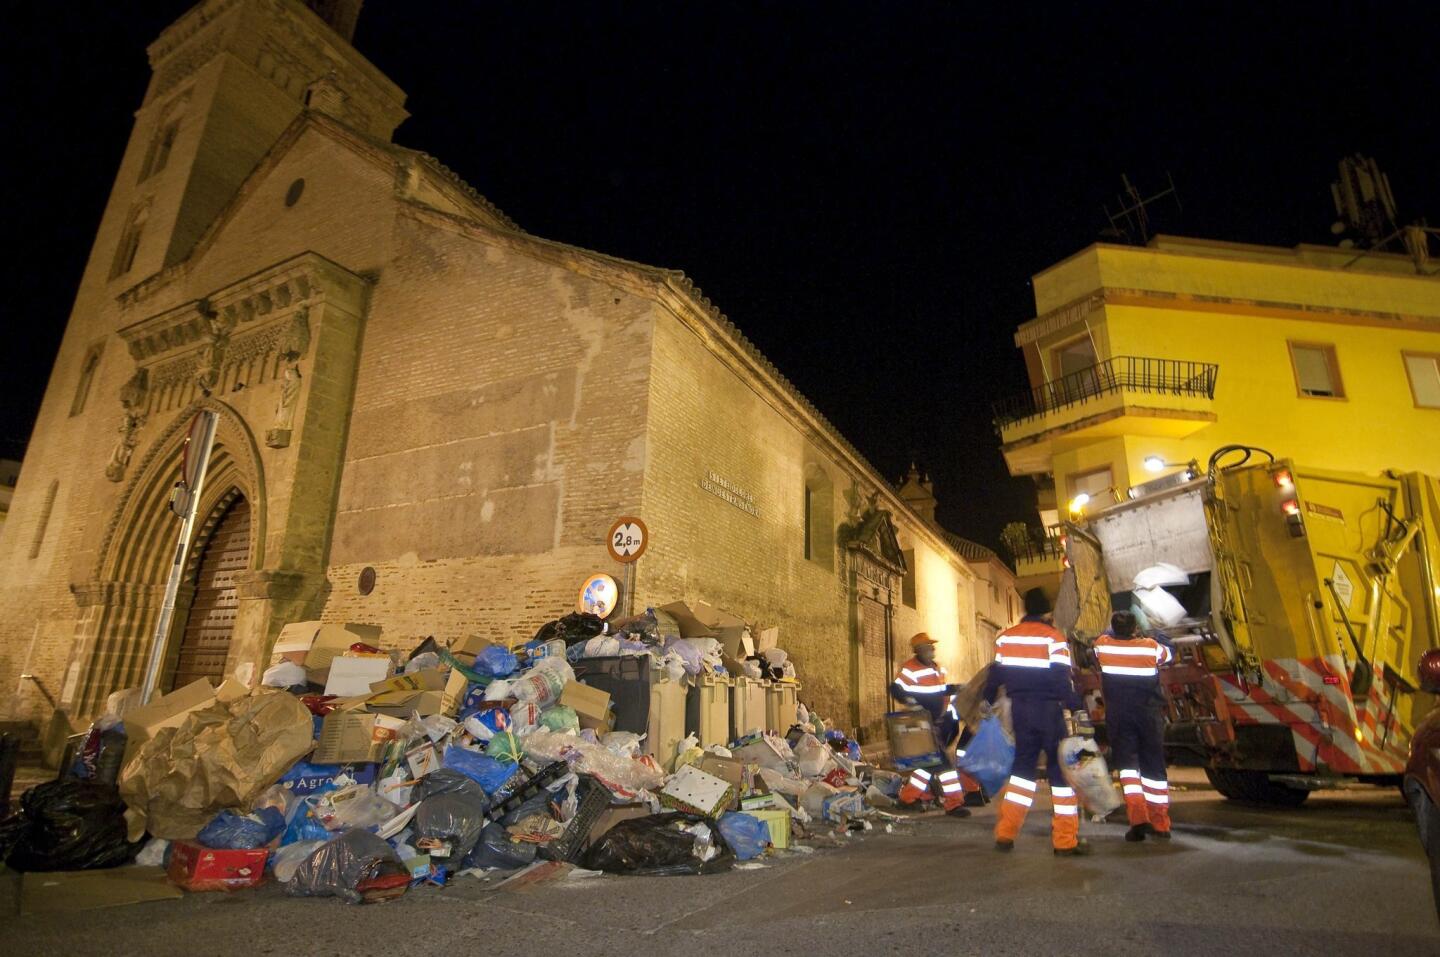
(1133, 218)
(1366, 208)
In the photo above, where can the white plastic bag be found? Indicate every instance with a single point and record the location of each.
(624, 743)
(815, 758)
(153, 853)
(287, 674)
(1085, 771)
(1160, 606)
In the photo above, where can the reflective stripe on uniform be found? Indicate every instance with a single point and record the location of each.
(1067, 809)
(1060, 792)
(1139, 672)
(1156, 798)
(1157, 785)
(1019, 798)
(920, 773)
(918, 689)
(1022, 783)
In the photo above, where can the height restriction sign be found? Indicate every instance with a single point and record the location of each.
(628, 538)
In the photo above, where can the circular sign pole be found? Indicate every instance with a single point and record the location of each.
(626, 542)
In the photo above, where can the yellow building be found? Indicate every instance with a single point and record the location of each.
(1167, 352)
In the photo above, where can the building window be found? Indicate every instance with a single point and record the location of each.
(1317, 373)
(1423, 371)
(87, 378)
(819, 530)
(129, 241)
(159, 152)
(45, 509)
(907, 586)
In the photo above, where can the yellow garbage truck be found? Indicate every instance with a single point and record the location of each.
(1299, 601)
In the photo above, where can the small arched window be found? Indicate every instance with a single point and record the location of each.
(45, 510)
(161, 143)
(130, 241)
(87, 378)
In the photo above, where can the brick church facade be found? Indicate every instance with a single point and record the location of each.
(413, 390)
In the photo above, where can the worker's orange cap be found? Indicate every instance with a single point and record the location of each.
(921, 639)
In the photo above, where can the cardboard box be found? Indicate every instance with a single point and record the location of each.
(455, 687)
(692, 790)
(591, 705)
(355, 737)
(197, 868)
(431, 679)
(353, 675)
(332, 641)
(767, 639)
(295, 640)
(911, 734)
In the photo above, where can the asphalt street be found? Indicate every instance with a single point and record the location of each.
(1342, 875)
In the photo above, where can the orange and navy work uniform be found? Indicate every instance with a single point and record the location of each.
(928, 687)
(1135, 723)
(1032, 663)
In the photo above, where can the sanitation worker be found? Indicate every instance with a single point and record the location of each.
(922, 682)
(1032, 664)
(1135, 721)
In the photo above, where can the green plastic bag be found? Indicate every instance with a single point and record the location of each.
(505, 747)
(561, 718)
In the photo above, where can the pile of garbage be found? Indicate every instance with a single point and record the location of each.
(668, 743)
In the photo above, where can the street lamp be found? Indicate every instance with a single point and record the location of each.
(1082, 499)
(1154, 464)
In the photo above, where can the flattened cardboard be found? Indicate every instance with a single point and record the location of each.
(728, 770)
(402, 704)
(353, 675)
(767, 639)
(333, 640)
(454, 693)
(431, 679)
(692, 790)
(295, 640)
(700, 620)
(166, 711)
(58, 892)
(351, 737)
(591, 705)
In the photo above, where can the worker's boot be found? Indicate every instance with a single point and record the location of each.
(1080, 849)
(1157, 807)
(952, 793)
(1137, 833)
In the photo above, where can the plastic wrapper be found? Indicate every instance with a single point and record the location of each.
(496, 661)
(660, 845)
(448, 825)
(747, 836)
(489, 773)
(615, 771)
(543, 683)
(843, 805)
(688, 751)
(422, 662)
(355, 807)
(674, 666)
(624, 743)
(284, 861)
(525, 717)
(287, 674)
(485, 722)
(495, 849)
(304, 823)
(814, 758)
(782, 783)
(643, 627)
(342, 867)
(561, 718)
(498, 690)
(1086, 772)
(989, 755)
(68, 825)
(242, 832)
(505, 748)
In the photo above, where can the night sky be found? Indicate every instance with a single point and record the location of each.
(864, 189)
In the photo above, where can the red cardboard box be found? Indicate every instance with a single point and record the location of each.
(197, 868)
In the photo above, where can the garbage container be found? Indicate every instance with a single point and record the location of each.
(645, 699)
(782, 699)
(747, 706)
(707, 709)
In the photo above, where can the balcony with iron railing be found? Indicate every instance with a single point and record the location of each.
(1123, 395)
(1041, 553)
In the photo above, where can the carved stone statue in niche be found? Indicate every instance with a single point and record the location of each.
(292, 347)
(132, 401)
(212, 351)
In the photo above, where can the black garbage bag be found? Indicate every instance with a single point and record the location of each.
(657, 846)
(536, 804)
(448, 825)
(69, 825)
(574, 628)
(496, 849)
(449, 781)
(349, 867)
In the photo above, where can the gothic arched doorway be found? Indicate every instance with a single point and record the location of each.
(205, 640)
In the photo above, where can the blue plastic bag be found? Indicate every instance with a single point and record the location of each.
(485, 771)
(989, 755)
(242, 832)
(303, 824)
(496, 661)
(746, 835)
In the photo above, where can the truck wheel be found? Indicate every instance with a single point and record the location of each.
(1254, 787)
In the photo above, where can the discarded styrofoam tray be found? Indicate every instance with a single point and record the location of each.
(696, 791)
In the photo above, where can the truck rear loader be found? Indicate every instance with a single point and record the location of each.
(1305, 600)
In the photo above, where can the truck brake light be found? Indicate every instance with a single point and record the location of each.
(1284, 480)
(1331, 679)
(1291, 508)
(1293, 518)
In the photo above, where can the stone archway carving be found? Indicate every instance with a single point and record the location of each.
(121, 602)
